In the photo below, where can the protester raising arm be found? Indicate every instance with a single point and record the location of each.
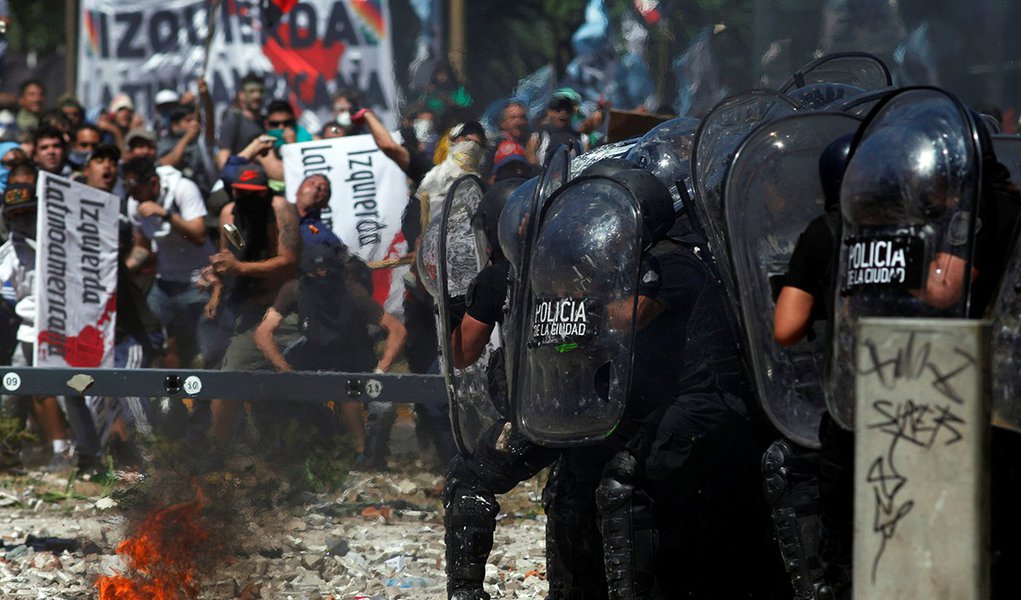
(394, 151)
(259, 150)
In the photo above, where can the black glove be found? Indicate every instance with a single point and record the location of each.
(457, 307)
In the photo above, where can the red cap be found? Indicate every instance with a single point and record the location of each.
(508, 151)
(251, 178)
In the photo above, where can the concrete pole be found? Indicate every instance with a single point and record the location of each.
(921, 527)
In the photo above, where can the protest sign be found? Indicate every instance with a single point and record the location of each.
(369, 195)
(76, 274)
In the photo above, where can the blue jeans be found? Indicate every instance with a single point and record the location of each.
(179, 308)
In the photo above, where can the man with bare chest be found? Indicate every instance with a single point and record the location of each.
(248, 277)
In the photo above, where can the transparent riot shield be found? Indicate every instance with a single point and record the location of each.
(557, 172)
(579, 298)
(820, 96)
(773, 192)
(718, 136)
(553, 177)
(613, 150)
(861, 105)
(857, 69)
(908, 201)
(665, 151)
(1006, 314)
(449, 259)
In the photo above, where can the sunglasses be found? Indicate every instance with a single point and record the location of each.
(280, 124)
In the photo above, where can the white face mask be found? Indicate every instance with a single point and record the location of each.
(344, 118)
(467, 154)
(423, 129)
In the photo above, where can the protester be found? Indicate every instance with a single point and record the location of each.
(242, 122)
(72, 109)
(31, 101)
(513, 133)
(254, 274)
(345, 105)
(556, 130)
(140, 143)
(179, 147)
(50, 151)
(334, 311)
(467, 144)
(407, 154)
(117, 121)
(17, 273)
(165, 102)
(84, 139)
(168, 214)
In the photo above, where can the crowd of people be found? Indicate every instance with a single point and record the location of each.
(187, 295)
(217, 269)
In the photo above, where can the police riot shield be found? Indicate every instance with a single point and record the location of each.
(1006, 313)
(772, 193)
(861, 105)
(612, 150)
(820, 96)
(553, 177)
(856, 69)
(718, 136)
(579, 296)
(557, 172)
(449, 259)
(665, 151)
(908, 201)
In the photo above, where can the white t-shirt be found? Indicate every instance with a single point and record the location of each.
(17, 270)
(177, 259)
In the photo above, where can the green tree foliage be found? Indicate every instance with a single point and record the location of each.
(507, 40)
(36, 25)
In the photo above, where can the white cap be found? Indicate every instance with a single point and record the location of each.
(167, 97)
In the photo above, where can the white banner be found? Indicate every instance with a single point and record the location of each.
(75, 274)
(369, 195)
(318, 48)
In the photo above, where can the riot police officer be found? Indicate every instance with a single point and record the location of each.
(682, 503)
(502, 457)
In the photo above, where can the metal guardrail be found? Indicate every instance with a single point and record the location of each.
(230, 385)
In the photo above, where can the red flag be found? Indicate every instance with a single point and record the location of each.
(272, 10)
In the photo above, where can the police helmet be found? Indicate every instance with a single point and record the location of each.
(832, 163)
(486, 220)
(513, 223)
(665, 151)
(608, 167)
(653, 196)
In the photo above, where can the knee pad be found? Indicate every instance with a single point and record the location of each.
(469, 521)
(790, 479)
(618, 483)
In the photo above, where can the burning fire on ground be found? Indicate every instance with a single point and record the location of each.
(162, 557)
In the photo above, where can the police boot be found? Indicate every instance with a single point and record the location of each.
(629, 537)
(574, 552)
(790, 478)
(469, 520)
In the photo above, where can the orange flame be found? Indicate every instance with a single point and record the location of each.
(161, 557)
